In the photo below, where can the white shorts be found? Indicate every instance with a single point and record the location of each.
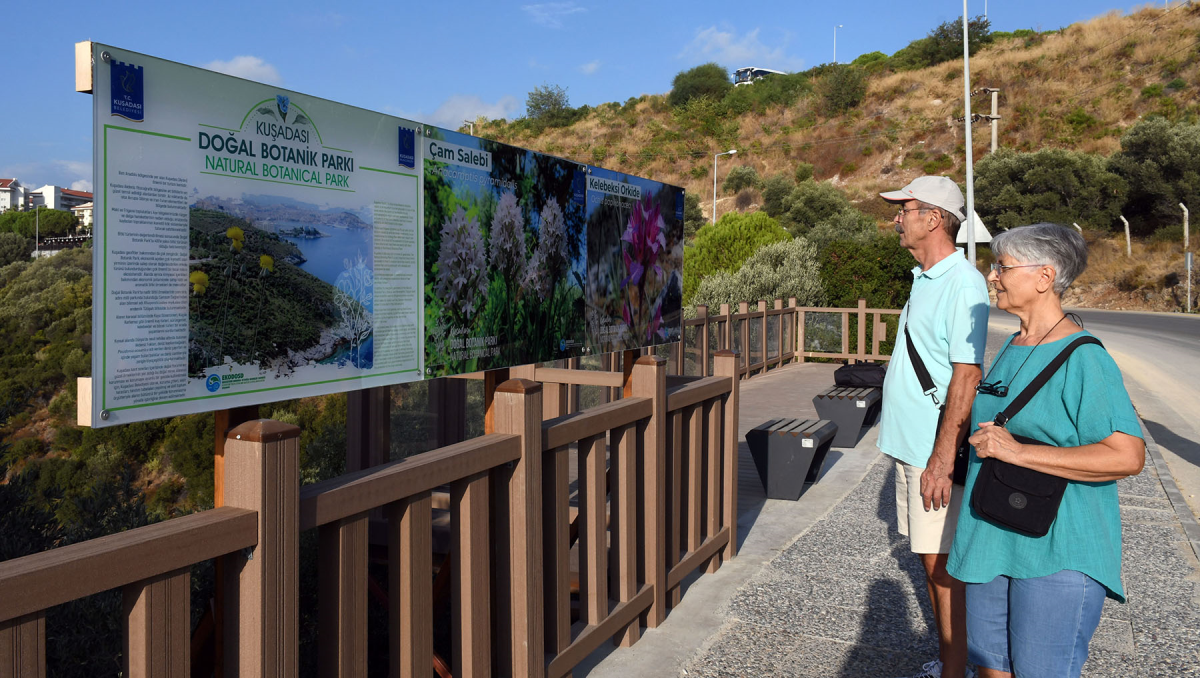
(927, 531)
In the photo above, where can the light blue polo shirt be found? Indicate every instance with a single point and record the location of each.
(947, 316)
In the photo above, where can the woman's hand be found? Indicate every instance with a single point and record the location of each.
(995, 441)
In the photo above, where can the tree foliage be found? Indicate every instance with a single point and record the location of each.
(775, 190)
(742, 176)
(44, 222)
(779, 270)
(1055, 185)
(878, 270)
(943, 44)
(1160, 162)
(549, 105)
(724, 246)
(842, 88)
(693, 217)
(14, 247)
(810, 203)
(708, 80)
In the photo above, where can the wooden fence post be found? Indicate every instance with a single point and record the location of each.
(342, 592)
(744, 322)
(779, 333)
(158, 626)
(702, 341)
(862, 329)
(262, 615)
(726, 366)
(792, 335)
(23, 646)
(762, 308)
(519, 412)
(650, 381)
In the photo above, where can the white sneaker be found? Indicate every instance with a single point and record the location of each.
(933, 669)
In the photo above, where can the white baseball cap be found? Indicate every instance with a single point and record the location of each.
(937, 191)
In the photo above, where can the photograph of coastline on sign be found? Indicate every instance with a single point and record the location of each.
(634, 289)
(504, 255)
(278, 283)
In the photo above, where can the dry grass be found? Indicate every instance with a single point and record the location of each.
(1098, 68)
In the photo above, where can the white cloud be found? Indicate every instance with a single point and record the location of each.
(81, 185)
(68, 173)
(248, 67)
(733, 51)
(460, 107)
(551, 14)
(590, 67)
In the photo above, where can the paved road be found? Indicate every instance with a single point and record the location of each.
(1159, 354)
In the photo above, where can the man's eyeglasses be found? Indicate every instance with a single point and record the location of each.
(1000, 268)
(900, 212)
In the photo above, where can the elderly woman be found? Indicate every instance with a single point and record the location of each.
(1034, 602)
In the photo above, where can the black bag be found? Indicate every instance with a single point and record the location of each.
(1019, 498)
(859, 374)
(963, 451)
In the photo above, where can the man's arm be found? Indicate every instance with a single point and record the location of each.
(936, 480)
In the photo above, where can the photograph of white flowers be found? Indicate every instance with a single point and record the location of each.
(504, 255)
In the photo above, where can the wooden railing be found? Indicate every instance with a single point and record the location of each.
(656, 500)
(732, 330)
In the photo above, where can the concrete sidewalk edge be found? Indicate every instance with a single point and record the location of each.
(1182, 511)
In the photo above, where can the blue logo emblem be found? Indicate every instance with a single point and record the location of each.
(579, 187)
(214, 383)
(281, 102)
(126, 87)
(408, 148)
(679, 205)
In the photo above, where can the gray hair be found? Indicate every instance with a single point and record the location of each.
(1059, 247)
(950, 223)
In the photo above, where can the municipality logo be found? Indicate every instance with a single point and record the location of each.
(127, 86)
(214, 383)
(281, 102)
(407, 148)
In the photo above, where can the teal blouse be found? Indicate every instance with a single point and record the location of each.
(1084, 403)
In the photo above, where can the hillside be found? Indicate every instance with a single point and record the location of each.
(1078, 88)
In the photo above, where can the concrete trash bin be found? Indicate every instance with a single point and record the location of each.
(850, 407)
(789, 453)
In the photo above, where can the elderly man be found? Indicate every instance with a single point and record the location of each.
(946, 322)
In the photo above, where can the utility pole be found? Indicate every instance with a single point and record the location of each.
(994, 117)
(732, 151)
(37, 232)
(835, 42)
(970, 152)
(1128, 245)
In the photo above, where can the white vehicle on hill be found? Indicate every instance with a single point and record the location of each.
(749, 74)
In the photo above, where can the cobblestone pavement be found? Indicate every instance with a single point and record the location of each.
(847, 598)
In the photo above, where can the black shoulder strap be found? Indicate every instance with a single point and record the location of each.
(1040, 380)
(927, 384)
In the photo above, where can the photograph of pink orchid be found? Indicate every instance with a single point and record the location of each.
(644, 241)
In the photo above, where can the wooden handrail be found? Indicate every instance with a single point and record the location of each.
(556, 375)
(43, 580)
(697, 391)
(337, 498)
(593, 421)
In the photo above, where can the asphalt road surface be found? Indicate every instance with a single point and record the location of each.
(1159, 355)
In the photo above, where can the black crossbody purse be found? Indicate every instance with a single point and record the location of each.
(963, 451)
(1016, 497)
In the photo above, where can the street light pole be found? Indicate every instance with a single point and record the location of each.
(970, 215)
(835, 42)
(37, 232)
(732, 151)
(471, 124)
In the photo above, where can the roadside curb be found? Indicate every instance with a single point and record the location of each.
(1191, 529)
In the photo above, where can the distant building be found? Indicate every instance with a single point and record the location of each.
(12, 195)
(58, 198)
(84, 214)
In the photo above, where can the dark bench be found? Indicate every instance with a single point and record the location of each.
(789, 453)
(851, 407)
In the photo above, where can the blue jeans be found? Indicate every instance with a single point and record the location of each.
(1033, 628)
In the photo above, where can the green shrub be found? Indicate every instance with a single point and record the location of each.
(773, 91)
(710, 80)
(943, 44)
(775, 190)
(842, 88)
(1177, 84)
(14, 247)
(1151, 91)
(548, 105)
(742, 176)
(724, 246)
(804, 172)
(878, 270)
(693, 217)
(1160, 163)
(810, 203)
(1080, 121)
(1015, 189)
(938, 165)
(780, 270)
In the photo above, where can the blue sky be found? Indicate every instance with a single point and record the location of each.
(441, 62)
